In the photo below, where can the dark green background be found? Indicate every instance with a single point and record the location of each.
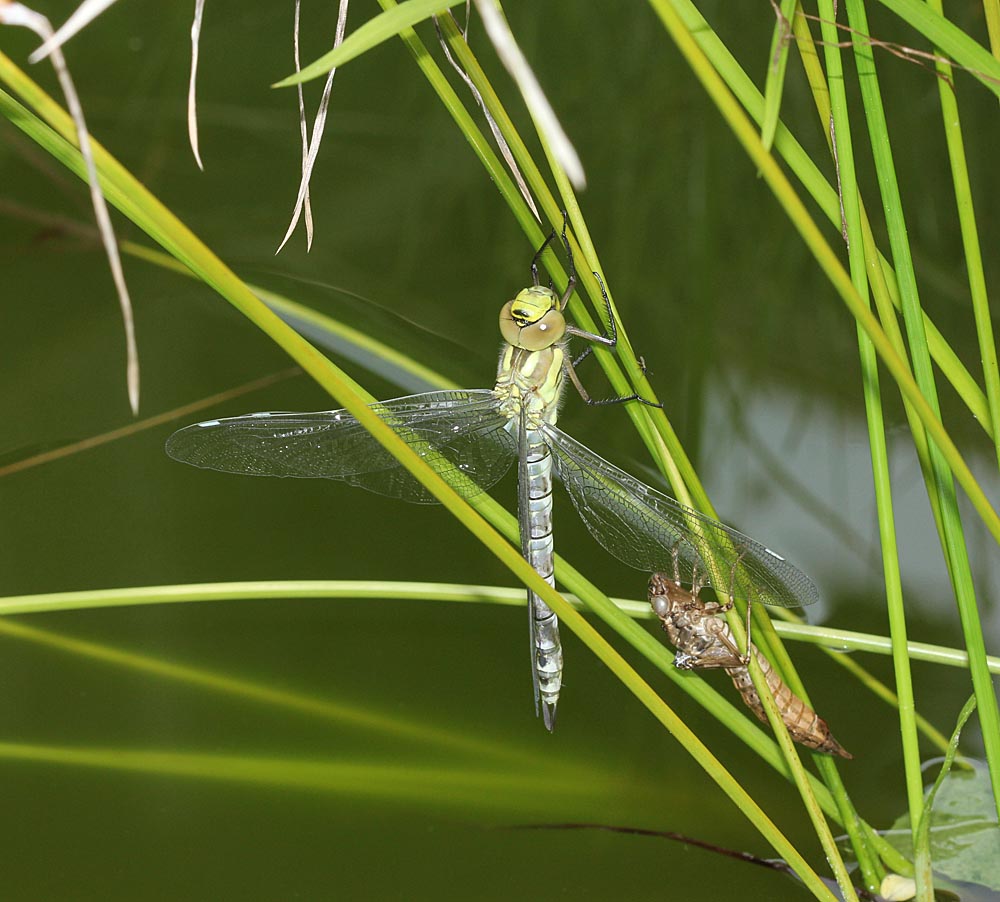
(745, 342)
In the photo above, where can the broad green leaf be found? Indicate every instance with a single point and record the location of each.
(964, 835)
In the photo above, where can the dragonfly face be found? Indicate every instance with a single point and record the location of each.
(667, 596)
(533, 320)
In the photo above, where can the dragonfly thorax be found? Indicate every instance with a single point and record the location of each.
(530, 381)
(533, 320)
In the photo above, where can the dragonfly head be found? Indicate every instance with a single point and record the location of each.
(665, 595)
(533, 320)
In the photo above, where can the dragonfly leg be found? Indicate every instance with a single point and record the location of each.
(596, 338)
(606, 341)
(571, 278)
(724, 637)
(537, 257)
(571, 281)
(675, 554)
(696, 584)
(600, 402)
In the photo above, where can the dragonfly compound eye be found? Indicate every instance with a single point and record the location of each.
(661, 605)
(533, 320)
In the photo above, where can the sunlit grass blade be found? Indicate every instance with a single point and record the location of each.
(991, 8)
(510, 791)
(352, 716)
(837, 640)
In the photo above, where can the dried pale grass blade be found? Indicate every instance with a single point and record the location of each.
(303, 128)
(84, 14)
(192, 105)
(317, 132)
(538, 105)
(18, 14)
(490, 121)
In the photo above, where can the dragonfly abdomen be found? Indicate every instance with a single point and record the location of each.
(548, 659)
(804, 725)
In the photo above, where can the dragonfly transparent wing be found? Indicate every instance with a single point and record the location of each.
(642, 527)
(460, 433)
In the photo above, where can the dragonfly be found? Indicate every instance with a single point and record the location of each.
(472, 436)
(704, 640)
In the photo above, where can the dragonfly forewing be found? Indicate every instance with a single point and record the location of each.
(460, 433)
(644, 528)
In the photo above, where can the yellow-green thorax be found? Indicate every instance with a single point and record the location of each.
(531, 363)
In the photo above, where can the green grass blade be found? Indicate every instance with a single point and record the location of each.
(816, 183)
(992, 10)
(943, 486)
(665, 447)
(628, 377)
(383, 27)
(777, 63)
(922, 860)
(827, 259)
(850, 193)
(973, 57)
(952, 124)
(849, 640)
(137, 203)
(354, 717)
(512, 791)
(836, 640)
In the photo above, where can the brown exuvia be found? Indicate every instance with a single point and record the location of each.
(704, 640)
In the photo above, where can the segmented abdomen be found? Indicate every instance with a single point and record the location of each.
(548, 647)
(804, 725)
